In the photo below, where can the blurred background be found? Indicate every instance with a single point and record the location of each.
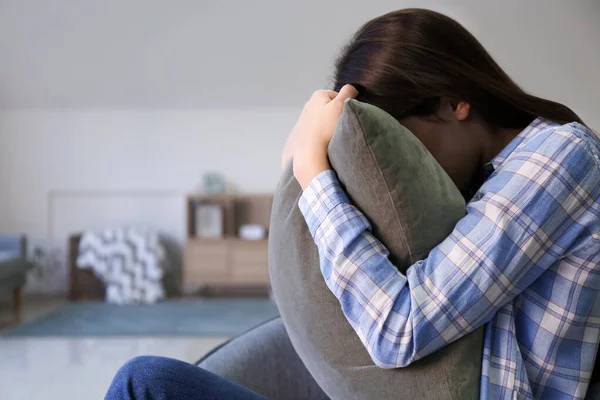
(140, 145)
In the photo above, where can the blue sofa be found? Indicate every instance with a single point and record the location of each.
(13, 268)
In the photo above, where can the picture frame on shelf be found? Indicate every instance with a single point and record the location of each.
(209, 221)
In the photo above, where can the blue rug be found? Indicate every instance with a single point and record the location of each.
(219, 317)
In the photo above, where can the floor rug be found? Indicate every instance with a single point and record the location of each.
(212, 317)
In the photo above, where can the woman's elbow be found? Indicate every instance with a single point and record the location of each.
(390, 358)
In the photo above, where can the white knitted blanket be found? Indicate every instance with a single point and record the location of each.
(130, 262)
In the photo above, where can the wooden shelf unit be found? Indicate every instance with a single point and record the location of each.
(230, 263)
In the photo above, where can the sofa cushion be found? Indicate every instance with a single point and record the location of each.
(13, 273)
(412, 205)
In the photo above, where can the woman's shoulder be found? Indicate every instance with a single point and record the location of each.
(554, 142)
(557, 159)
(589, 139)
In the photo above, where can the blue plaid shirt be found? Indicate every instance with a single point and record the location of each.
(524, 262)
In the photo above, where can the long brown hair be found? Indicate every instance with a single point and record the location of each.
(405, 61)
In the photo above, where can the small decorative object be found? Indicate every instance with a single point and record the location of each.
(252, 232)
(46, 260)
(214, 183)
(209, 221)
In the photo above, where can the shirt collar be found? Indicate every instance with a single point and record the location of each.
(534, 127)
(537, 125)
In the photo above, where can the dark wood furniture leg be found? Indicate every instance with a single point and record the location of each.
(83, 284)
(17, 304)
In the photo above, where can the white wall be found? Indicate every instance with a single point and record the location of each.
(219, 54)
(65, 170)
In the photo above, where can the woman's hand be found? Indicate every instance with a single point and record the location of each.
(309, 139)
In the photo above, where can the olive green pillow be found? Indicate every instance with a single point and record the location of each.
(412, 205)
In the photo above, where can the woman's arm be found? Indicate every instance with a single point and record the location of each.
(526, 220)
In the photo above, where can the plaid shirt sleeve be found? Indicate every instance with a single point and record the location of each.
(522, 221)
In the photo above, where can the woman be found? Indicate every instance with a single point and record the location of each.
(524, 261)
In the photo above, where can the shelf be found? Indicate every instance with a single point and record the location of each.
(238, 210)
(230, 239)
(202, 196)
(238, 240)
(228, 260)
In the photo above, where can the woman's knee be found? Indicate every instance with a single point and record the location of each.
(158, 378)
(140, 367)
(139, 376)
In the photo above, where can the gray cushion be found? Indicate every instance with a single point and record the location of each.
(264, 361)
(14, 266)
(413, 205)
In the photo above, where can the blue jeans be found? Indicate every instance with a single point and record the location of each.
(160, 378)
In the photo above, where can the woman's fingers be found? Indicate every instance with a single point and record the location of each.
(346, 92)
(324, 96)
(332, 94)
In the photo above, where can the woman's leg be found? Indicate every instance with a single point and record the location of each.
(159, 378)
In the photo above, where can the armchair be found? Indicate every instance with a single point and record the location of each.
(13, 268)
